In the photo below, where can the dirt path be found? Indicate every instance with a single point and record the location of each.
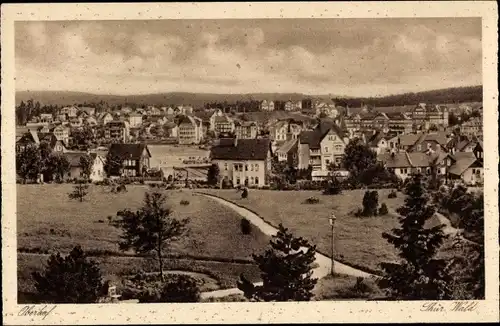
(323, 262)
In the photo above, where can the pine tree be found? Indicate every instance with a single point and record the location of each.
(419, 275)
(79, 191)
(70, 279)
(286, 270)
(151, 228)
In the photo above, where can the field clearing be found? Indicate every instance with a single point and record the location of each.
(48, 220)
(358, 240)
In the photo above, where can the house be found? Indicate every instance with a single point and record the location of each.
(217, 113)
(87, 109)
(91, 121)
(378, 142)
(321, 147)
(288, 152)
(135, 120)
(62, 134)
(170, 111)
(434, 141)
(267, 106)
(97, 172)
(117, 131)
(282, 130)
(246, 129)
(126, 110)
(104, 117)
(327, 108)
(46, 118)
(404, 164)
(243, 161)
(76, 122)
(190, 130)
(70, 111)
(135, 158)
(472, 127)
(223, 125)
(468, 168)
(185, 109)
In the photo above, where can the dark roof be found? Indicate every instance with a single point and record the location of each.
(241, 149)
(74, 157)
(314, 137)
(464, 160)
(129, 151)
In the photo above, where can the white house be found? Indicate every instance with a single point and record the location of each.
(97, 171)
(243, 162)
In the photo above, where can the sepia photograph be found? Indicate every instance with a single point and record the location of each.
(250, 160)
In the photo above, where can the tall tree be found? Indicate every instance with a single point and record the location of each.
(58, 165)
(213, 174)
(286, 270)
(28, 164)
(70, 279)
(151, 228)
(419, 275)
(358, 157)
(113, 164)
(86, 163)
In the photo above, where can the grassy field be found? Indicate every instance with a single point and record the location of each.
(48, 221)
(358, 241)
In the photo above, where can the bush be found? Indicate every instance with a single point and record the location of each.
(359, 290)
(70, 279)
(184, 202)
(393, 194)
(383, 209)
(370, 203)
(246, 227)
(244, 193)
(100, 221)
(333, 187)
(180, 289)
(312, 200)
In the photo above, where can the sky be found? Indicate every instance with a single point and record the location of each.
(351, 57)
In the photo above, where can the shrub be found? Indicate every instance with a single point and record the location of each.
(370, 203)
(383, 209)
(312, 200)
(70, 279)
(333, 187)
(246, 227)
(393, 194)
(359, 290)
(100, 221)
(244, 193)
(180, 289)
(184, 202)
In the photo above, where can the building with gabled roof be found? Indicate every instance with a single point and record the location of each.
(243, 162)
(135, 158)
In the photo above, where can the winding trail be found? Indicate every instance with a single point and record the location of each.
(323, 262)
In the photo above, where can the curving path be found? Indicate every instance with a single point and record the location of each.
(323, 262)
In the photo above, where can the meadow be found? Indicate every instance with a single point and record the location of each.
(47, 221)
(358, 240)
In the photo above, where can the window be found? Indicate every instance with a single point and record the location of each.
(326, 149)
(246, 167)
(251, 167)
(251, 180)
(338, 148)
(327, 162)
(238, 181)
(256, 180)
(225, 166)
(478, 171)
(256, 167)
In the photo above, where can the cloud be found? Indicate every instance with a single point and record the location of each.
(351, 57)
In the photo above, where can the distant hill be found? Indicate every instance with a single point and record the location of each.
(440, 96)
(197, 100)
